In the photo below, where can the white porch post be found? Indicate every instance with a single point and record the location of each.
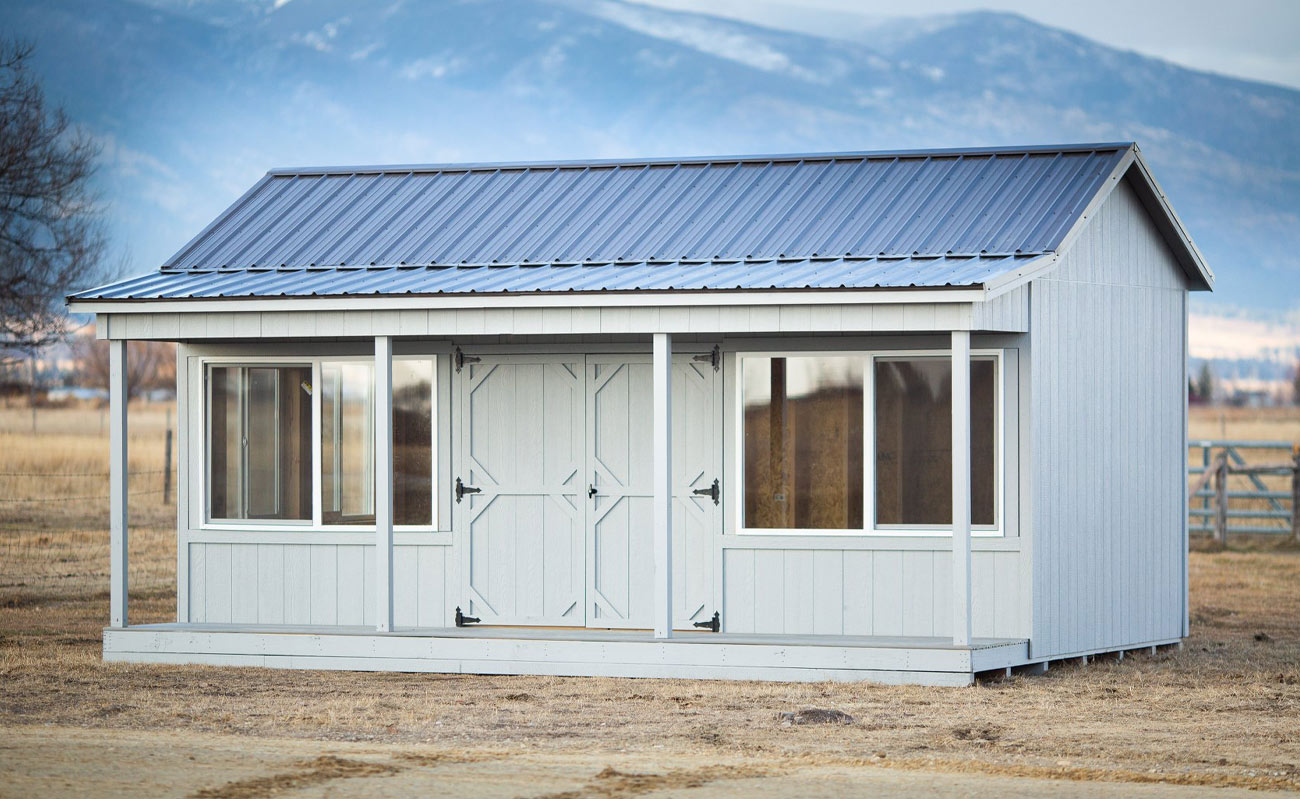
(384, 483)
(117, 482)
(961, 569)
(663, 484)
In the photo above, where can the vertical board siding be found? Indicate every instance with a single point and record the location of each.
(1004, 313)
(312, 584)
(1107, 384)
(1009, 312)
(865, 592)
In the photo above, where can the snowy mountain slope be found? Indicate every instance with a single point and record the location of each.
(194, 99)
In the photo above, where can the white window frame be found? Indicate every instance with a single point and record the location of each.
(206, 446)
(870, 528)
(315, 524)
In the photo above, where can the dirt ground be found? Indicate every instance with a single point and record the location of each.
(1218, 717)
(56, 761)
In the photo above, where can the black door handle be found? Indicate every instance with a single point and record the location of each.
(591, 491)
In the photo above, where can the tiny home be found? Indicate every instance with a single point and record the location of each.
(894, 416)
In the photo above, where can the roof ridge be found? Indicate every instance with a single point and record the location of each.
(683, 261)
(754, 158)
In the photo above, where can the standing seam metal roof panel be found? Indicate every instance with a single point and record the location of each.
(786, 274)
(913, 218)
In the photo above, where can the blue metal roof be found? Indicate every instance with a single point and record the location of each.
(829, 273)
(843, 220)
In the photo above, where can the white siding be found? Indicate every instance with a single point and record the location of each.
(1107, 439)
(261, 583)
(866, 592)
(1004, 313)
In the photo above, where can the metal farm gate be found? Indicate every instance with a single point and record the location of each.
(1235, 494)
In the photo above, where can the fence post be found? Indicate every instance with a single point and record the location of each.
(167, 458)
(167, 467)
(1221, 500)
(1295, 493)
(1205, 464)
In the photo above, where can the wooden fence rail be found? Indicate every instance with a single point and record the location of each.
(1260, 504)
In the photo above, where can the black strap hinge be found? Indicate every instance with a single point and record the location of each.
(462, 359)
(462, 490)
(462, 619)
(714, 492)
(714, 357)
(714, 624)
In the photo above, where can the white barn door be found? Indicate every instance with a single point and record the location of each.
(697, 463)
(522, 504)
(554, 522)
(620, 556)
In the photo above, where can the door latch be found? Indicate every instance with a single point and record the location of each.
(714, 624)
(591, 491)
(714, 492)
(462, 490)
(462, 619)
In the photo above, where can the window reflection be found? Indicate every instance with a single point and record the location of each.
(413, 442)
(347, 443)
(803, 442)
(259, 442)
(913, 430)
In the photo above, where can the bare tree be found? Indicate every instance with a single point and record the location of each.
(149, 364)
(51, 234)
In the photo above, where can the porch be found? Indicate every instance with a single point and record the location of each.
(570, 652)
(891, 605)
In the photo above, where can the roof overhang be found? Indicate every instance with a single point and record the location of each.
(1134, 169)
(1154, 199)
(527, 300)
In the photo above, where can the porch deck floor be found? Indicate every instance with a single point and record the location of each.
(598, 634)
(569, 652)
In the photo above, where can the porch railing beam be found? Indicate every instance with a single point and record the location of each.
(961, 558)
(383, 451)
(663, 485)
(117, 486)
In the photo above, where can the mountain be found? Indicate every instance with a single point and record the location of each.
(195, 99)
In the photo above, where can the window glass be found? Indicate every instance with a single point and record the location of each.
(347, 443)
(259, 447)
(913, 421)
(803, 442)
(413, 442)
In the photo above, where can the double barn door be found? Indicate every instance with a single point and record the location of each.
(554, 521)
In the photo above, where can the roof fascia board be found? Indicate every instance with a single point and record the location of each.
(1021, 275)
(1168, 221)
(682, 299)
(695, 160)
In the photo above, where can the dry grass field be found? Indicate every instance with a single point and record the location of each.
(1222, 713)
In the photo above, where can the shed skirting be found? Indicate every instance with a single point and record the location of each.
(602, 653)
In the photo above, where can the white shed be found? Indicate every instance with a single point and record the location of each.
(896, 416)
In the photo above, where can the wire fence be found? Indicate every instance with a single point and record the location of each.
(76, 474)
(87, 498)
(64, 481)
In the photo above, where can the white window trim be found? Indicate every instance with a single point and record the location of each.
(870, 528)
(314, 525)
